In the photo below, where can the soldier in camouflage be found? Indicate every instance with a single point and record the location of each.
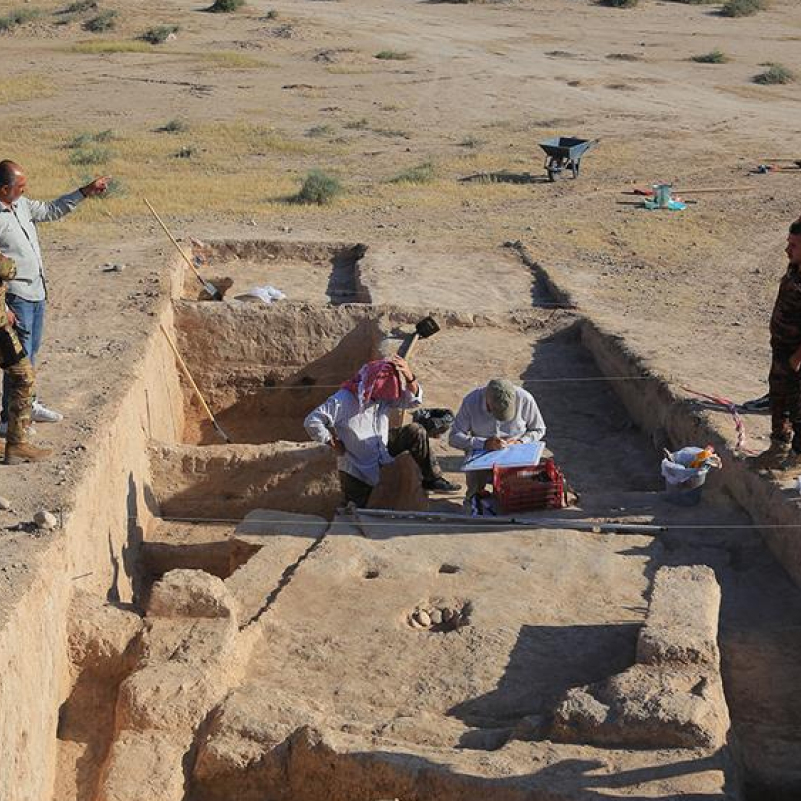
(17, 366)
(784, 380)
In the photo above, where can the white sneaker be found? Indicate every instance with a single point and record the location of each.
(41, 414)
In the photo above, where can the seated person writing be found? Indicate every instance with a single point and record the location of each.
(491, 418)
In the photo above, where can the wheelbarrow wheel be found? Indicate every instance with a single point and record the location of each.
(554, 174)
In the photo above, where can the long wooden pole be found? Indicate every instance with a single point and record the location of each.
(185, 370)
(207, 285)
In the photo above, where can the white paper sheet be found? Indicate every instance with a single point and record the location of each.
(522, 455)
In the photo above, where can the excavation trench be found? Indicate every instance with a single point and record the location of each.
(327, 682)
(314, 683)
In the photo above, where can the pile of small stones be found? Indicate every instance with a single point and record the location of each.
(440, 616)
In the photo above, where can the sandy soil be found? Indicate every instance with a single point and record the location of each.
(483, 83)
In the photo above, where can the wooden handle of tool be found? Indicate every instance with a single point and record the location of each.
(172, 238)
(405, 355)
(185, 370)
(709, 190)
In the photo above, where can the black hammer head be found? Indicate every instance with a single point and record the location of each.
(426, 327)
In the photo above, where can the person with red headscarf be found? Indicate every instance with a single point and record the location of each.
(354, 421)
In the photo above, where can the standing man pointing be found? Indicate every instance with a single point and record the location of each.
(27, 292)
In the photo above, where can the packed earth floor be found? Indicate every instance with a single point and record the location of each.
(203, 623)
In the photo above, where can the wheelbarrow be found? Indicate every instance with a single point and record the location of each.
(564, 153)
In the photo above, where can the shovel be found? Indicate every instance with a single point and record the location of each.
(424, 329)
(207, 285)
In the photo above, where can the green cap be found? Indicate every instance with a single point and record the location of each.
(501, 399)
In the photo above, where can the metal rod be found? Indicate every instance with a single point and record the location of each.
(185, 369)
(548, 523)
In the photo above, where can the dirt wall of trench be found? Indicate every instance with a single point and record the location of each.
(670, 419)
(96, 550)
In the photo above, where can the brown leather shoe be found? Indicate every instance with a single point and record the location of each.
(25, 452)
(791, 463)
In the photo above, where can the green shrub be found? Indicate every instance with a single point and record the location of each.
(159, 34)
(92, 155)
(712, 57)
(85, 139)
(320, 130)
(270, 15)
(318, 187)
(114, 187)
(742, 8)
(392, 55)
(358, 125)
(18, 16)
(420, 174)
(104, 21)
(80, 7)
(774, 74)
(173, 126)
(225, 6)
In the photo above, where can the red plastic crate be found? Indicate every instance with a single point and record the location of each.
(522, 489)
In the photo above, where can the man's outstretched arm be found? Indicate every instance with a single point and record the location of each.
(49, 211)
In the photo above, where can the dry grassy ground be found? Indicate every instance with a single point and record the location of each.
(276, 89)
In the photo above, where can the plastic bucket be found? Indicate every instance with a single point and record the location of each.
(662, 195)
(683, 484)
(688, 493)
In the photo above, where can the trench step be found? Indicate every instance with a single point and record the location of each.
(197, 546)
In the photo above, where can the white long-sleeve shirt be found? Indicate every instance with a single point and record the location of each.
(475, 423)
(364, 434)
(20, 241)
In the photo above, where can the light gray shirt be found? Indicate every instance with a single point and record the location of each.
(20, 241)
(363, 433)
(475, 424)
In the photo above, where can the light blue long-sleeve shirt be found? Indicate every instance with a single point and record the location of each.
(19, 240)
(475, 424)
(364, 434)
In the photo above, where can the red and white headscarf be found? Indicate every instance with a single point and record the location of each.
(375, 381)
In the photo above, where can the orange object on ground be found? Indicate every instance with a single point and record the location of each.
(702, 457)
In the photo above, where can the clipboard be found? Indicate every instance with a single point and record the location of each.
(523, 455)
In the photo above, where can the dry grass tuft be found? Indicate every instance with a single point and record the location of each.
(229, 59)
(27, 86)
(419, 174)
(111, 46)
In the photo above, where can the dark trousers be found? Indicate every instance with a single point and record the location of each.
(785, 400)
(412, 438)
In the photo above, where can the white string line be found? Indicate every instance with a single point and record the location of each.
(588, 379)
(473, 520)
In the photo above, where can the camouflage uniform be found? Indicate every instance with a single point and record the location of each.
(785, 338)
(16, 364)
